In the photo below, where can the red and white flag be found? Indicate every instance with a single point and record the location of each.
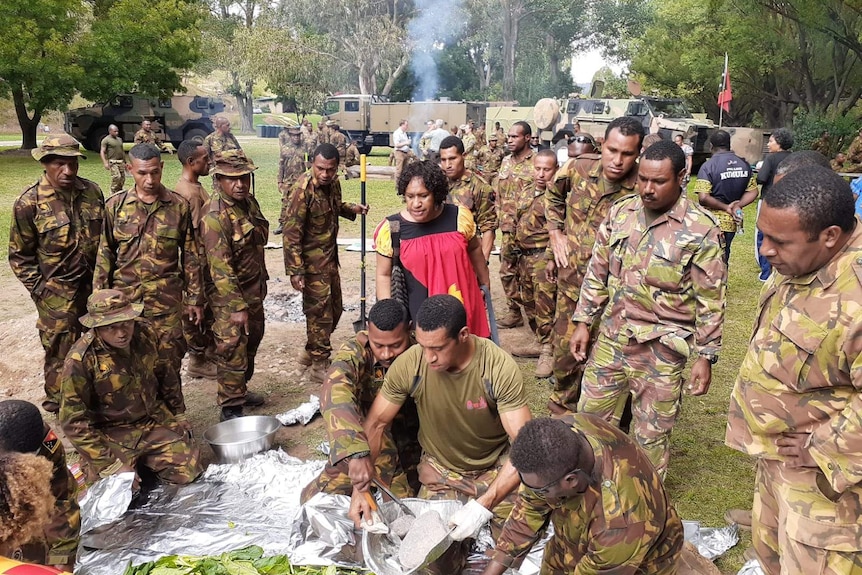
(725, 95)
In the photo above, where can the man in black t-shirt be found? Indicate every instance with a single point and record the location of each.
(724, 186)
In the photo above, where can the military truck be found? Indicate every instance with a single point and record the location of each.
(666, 116)
(372, 119)
(175, 119)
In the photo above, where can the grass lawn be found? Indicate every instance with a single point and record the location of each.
(705, 477)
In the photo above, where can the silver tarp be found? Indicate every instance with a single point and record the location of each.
(229, 507)
(106, 500)
(301, 414)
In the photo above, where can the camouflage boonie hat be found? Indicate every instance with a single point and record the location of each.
(61, 145)
(293, 130)
(233, 163)
(108, 306)
(330, 123)
(492, 137)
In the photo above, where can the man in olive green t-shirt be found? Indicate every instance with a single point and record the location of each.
(114, 158)
(471, 403)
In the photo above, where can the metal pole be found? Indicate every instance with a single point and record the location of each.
(363, 176)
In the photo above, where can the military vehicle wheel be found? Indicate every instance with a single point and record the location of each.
(94, 140)
(193, 133)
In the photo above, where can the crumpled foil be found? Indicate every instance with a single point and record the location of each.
(751, 567)
(106, 500)
(231, 506)
(322, 534)
(712, 543)
(324, 448)
(302, 414)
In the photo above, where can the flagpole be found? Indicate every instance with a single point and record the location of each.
(723, 88)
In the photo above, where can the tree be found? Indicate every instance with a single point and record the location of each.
(140, 46)
(37, 58)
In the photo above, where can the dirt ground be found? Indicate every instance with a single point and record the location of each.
(278, 376)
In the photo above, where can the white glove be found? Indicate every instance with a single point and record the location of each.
(467, 521)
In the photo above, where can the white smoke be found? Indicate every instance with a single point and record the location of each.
(436, 23)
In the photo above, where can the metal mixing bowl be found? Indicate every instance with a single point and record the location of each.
(240, 438)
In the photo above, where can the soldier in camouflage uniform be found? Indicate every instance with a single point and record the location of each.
(490, 159)
(311, 254)
(514, 184)
(146, 135)
(608, 507)
(293, 162)
(352, 383)
(148, 251)
(471, 148)
(655, 286)
(854, 155)
(114, 158)
(23, 430)
(53, 242)
(352, 157)
(537, 291)
(795, 404)
(575, 205)
(323, 132)
(115, 411)
(234, 233)
(221, 139)
(470, 401)
(339, 140)
(199, 336)
(470, 191)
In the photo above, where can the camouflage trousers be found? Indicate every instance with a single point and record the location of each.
(438, 482)
(652, 373)
(334, 479)
(118, 175)
(235, 352)
(509, 276)
(199, 338)
(322, 306)
(284, 188)
(538, 294)
(161, 448)
(172, 348)
(800, 525)
(567, 372)
(59, 328)
(563, 555)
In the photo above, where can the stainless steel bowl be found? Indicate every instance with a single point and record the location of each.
(240, 438)
(381, 555)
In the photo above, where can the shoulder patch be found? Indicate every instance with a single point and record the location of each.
(51, 441)
(80, 347)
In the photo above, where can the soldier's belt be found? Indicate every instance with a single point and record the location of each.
(531, 251)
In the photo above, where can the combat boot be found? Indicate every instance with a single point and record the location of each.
(531, 350)
(741, 517)
(304, 358)
(253, 399)
(513, 318)
(199, 367)
(230, 412)
(319, 368)
(545, 365)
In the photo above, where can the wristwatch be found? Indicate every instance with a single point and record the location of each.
(712, 359)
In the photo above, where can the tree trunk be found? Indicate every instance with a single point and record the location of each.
(512, 13)
(28, 125)
(553, 61)
(245, 103)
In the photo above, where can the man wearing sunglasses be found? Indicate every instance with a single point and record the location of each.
(581, 144)
(606, 501)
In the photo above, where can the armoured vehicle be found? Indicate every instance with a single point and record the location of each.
(666, 116)
(175, 119)
(372, 119)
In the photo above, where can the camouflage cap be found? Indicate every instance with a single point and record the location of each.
(293, 130)
(330, 123)
(492, 137)
(60, 145)
(108, 306)
(233, 163)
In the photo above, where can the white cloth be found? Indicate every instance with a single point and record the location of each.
(400, 140)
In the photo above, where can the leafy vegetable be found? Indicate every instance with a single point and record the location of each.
(246, 561)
